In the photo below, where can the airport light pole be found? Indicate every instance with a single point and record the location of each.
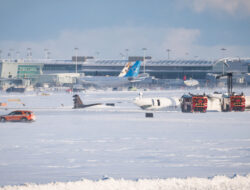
(17, 54)
(239, 59)
(76, 51)
(10, 54)
(168, 50)
(127, 52)
(242, 68)
(29, 53)
(122, 55)
(144, 54)
(46, 53)
(97, 54)
(223, 50)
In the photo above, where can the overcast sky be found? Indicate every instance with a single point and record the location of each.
(192, 29)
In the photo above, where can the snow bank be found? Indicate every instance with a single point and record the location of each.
(215, 183)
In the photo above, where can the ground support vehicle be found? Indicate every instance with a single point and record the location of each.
(193, 103)
(233, 103)
(18, 115)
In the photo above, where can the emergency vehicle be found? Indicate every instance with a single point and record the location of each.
(193, 103)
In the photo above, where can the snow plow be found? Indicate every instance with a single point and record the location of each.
(193, 103)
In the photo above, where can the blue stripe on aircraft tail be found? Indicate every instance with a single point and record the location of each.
(134, 70)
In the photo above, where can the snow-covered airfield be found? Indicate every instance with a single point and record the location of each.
(78, 147)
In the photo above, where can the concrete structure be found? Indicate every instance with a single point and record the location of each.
(161, 69)
(236, 65)
(8, 69)
(58, 79)
(22, 69)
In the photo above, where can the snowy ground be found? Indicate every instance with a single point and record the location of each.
(119, 142)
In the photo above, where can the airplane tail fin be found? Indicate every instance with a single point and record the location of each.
(77, 101)
(134, 70)
(125, 69)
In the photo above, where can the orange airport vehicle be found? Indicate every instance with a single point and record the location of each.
(18, 115)
(193, 103)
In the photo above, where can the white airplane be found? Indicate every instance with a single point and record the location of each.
(157, 103)
(182, 83)
(191, 82)
(128, 74)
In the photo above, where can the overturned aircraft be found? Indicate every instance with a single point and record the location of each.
(157, 103)
(78, 103)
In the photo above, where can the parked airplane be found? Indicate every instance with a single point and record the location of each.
(125, 69)
(191, 82)
(127, 75)
(182, 83)
(157, 103)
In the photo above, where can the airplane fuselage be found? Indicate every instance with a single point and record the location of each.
(157, 103)
(105, 81)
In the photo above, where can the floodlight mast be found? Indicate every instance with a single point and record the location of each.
(229, 79)
(168, 50)
(144, 54)
(76, 51)
(223, 49)
(17, 54)
(46, 51)
(127, 52)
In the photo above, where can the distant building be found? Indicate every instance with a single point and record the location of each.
(20, 69)
(236, 65)
(161, 69)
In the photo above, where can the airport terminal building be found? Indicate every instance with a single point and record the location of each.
(160, 69)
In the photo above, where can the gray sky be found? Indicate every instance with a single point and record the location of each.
(190, 28)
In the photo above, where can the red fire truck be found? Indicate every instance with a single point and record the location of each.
(237, 103)
(193, 103)
(233, 103)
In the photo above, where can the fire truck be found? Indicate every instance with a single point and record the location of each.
(193, 103)
(232, 101)
(238, 102)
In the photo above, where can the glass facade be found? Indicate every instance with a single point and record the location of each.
(158, 71)
(28, 71)
(162, 69)
(61, 67)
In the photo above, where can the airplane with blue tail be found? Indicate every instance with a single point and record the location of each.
(134, 70)
(128, 74)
